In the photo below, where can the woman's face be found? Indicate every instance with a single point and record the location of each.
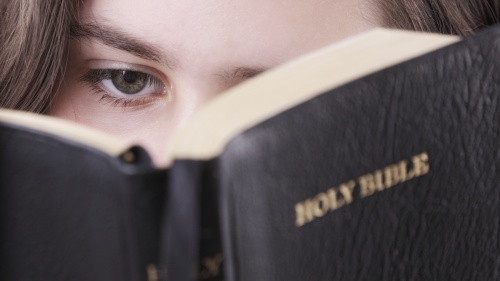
(139, 69)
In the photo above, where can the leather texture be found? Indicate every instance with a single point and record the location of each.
(441, 225)
(444, 225)
(69, 212)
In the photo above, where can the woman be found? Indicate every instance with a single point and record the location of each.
(139, 70)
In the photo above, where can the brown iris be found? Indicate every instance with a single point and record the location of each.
(129, 82)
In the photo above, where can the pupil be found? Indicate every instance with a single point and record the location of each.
(130, 77)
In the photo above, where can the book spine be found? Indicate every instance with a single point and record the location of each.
(147, 196)
(192, 249)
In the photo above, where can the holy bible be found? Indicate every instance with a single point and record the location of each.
(373, 159)
(390, 176)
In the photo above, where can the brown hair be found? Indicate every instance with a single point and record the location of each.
(440, 16)
(35, 34)
(34, 37)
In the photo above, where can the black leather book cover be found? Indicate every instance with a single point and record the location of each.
(71, 212)
(394, 176)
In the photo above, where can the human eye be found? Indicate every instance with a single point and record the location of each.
(124, 87)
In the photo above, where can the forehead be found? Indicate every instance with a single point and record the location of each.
(232, 30)
(211, 17)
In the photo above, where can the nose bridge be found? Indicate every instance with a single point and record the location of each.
(189, 96)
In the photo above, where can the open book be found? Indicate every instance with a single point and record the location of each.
(373, 159)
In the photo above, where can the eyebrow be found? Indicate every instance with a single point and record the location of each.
(119, 40)
(128, 43)
(239, 74)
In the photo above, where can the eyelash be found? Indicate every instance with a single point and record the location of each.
(95, 77)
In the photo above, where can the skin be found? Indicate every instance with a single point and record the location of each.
(201, 48)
